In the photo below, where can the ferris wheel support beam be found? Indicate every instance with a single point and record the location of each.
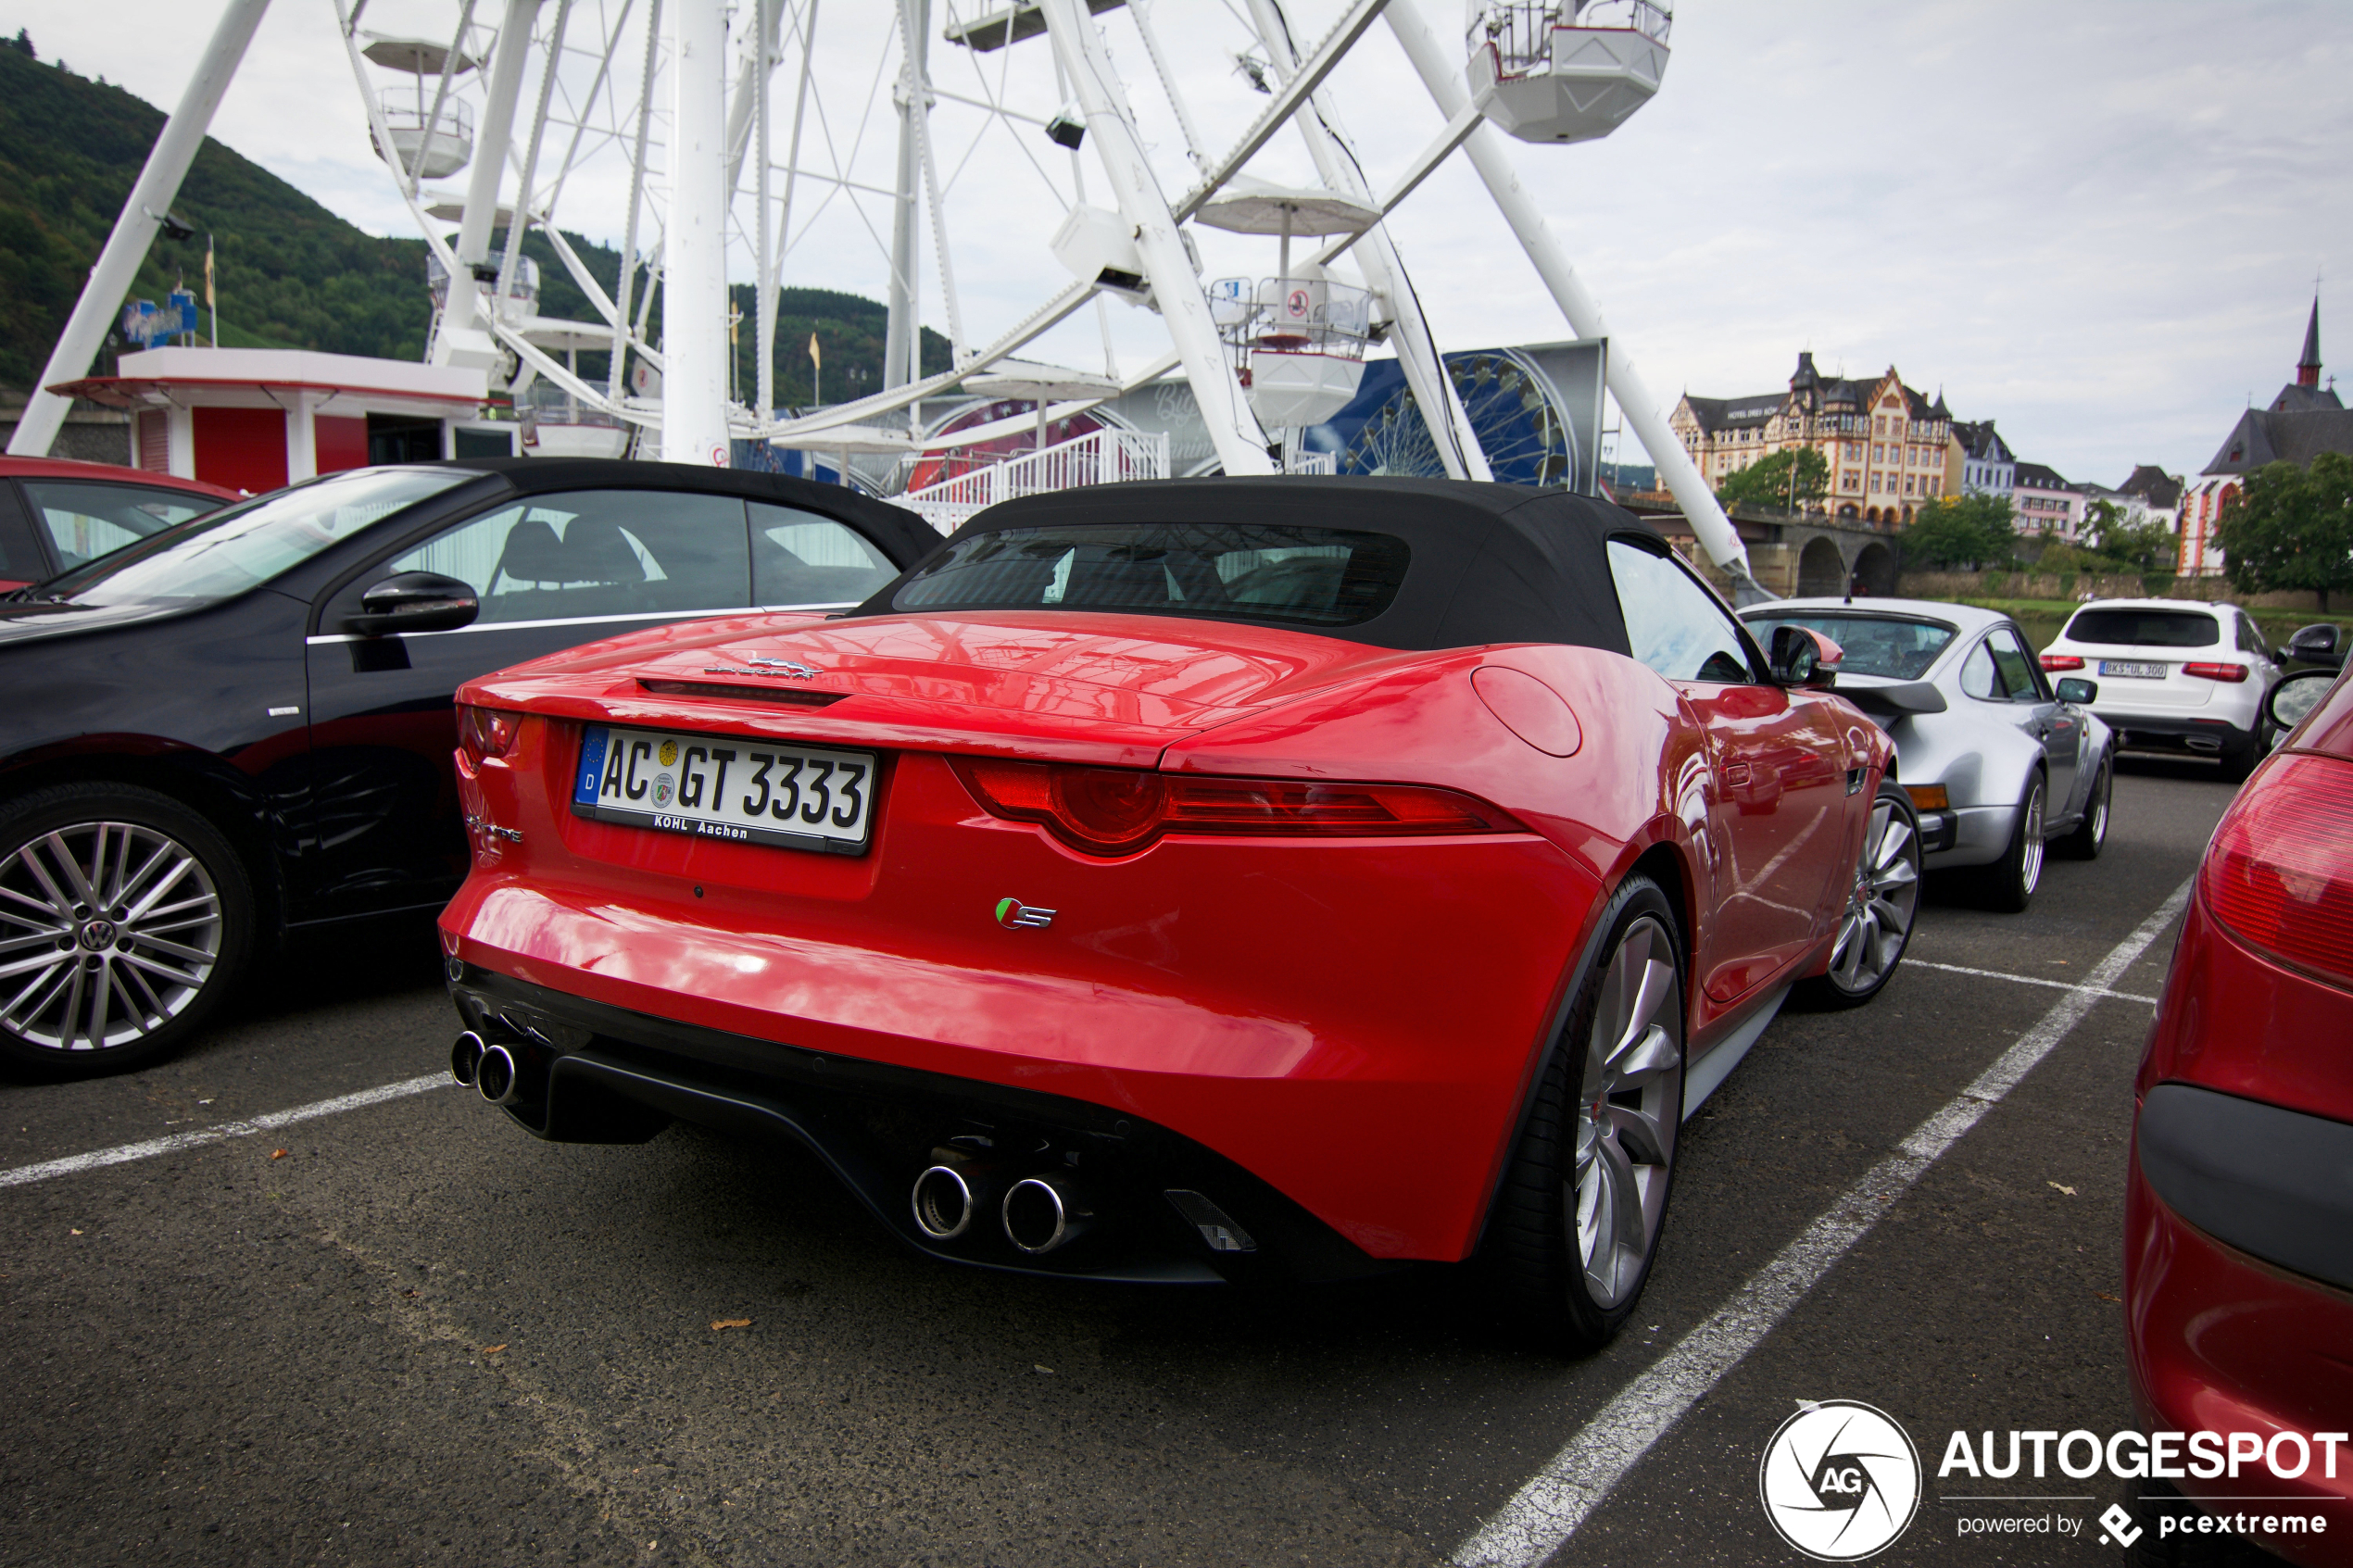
(1233, 429)
(694, 334)
(618, 365)
(1443, 77)
(462, 339)
(903, 352)
(1318, 64)
(142, 213)
(1434, 395)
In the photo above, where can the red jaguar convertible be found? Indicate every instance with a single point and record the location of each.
(1191, 881)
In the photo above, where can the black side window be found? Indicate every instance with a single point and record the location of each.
(2019, 671)
(592, 553)
(1673, 623)
(801, 558)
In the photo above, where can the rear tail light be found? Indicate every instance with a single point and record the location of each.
(2061, 661)
(1120, 810)
(2217, 672)
(487, 732)
(2280, 873)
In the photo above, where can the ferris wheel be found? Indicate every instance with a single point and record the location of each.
(1083, 196)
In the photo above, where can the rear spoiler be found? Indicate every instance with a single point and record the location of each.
(1896, 702)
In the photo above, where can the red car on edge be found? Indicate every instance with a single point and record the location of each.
(2238, 1251)
(1187, 881)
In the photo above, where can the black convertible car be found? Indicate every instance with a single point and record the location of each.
(242, 722)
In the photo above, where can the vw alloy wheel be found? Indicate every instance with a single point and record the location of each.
(108, 930)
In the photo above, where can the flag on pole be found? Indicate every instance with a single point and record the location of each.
(816, 359)
(817, 372)
(209, 308)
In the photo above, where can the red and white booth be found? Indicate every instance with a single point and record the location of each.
(255, 419)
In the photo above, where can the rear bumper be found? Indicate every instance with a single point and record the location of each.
(594, 1073)
(2220, 1341)
(1353, 1026)
(1979, 835)
(2208, 734)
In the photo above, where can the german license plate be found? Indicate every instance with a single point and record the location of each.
(2131, 671)
(727, 787)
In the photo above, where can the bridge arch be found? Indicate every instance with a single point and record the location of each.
(1820, 568)
(1875, 571)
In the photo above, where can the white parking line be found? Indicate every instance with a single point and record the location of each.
(2031, 980)
(173, 1143)
(1542, 1517)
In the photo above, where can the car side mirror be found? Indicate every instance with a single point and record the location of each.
(2079, 692)
(2293, 697)
(415, 601)
(1803, 657)
(2321, 644)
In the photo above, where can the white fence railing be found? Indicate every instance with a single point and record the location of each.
(1105, 457)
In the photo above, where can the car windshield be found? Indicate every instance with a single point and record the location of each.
(228, 552)
(1225, 571)
(1874, 644)
(2145, 628)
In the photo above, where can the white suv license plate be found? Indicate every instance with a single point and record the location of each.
(2130, 670)
(727, 787)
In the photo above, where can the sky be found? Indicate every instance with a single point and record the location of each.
(2099, 224)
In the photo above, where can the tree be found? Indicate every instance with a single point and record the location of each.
(1961, 531)
(2146, 547)
(2291, 528)
(1766, 482)
(22, 45)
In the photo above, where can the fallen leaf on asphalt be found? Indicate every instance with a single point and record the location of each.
(277, 1154)
(1046, 1370)
(2068, 1190)
(491, 1349)
(2105, 1294)
(731, 1322)
(77, 1233)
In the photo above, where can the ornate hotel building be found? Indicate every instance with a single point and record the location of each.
(1888, 448)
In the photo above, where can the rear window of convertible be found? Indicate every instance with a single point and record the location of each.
(1217, 571)
(2145, 628)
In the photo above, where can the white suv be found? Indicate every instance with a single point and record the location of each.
(2174, 675)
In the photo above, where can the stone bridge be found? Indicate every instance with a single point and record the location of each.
(1793, 557)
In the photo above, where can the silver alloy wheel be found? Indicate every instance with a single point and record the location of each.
(1880, 907)
(108, 932)
(1628, 1112)
(2103, 789)
(2030, 868)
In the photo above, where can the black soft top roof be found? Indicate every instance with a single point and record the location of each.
(902, 535)
(1490, 563)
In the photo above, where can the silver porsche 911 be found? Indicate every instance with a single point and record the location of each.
(1999, 762)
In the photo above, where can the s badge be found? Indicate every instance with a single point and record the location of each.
(1014, 915)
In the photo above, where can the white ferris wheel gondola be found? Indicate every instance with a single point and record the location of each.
(1566, 70)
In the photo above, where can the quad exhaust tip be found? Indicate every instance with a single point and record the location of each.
(496, 1076)
(945, 1203)
(1042, 1213)
(465, 1056)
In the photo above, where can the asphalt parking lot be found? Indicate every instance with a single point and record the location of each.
(405, 1332)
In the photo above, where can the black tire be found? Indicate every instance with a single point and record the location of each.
(2091, 835)
(1882, 904)
(138, 975)
(2010, 883)
(1536, 1245)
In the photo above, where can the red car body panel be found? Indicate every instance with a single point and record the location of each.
(2219, 1339)
(1354, 1021)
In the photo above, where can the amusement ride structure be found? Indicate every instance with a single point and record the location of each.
(1020, 155)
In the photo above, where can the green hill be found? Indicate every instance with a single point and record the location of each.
(290, 274)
